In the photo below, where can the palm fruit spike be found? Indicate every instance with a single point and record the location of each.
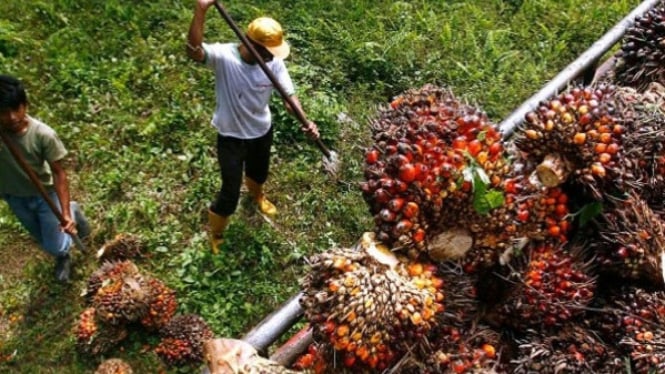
(415, 172)
(107, 272)
(114, 366)
(642, 56)
(370, 307)
(472, 349)
(182, 340)
(632, 241)
(94, 337)
(634, 317)
(162, 307)
(572, 349)
(577, 136)
(122, 247)
(461, 295)
(122, 300)
(551, 287)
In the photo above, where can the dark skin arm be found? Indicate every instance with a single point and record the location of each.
(195, 34)
(62, 190)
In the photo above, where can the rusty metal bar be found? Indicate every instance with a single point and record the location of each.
(587, 60)
(288, 352)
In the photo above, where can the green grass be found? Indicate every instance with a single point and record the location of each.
(112, 78)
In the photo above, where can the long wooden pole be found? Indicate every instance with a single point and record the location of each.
(38, 184)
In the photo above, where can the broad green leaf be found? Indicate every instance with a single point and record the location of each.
(589, 212)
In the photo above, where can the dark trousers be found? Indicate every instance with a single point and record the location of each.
(235, 156)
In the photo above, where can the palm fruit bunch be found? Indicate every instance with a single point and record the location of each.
(472, 349)
(93, 336)
(108, 271)
(122, 247)
(550, 287)
(162, 306)
(418, 169)
(529, 211)
(644, 141)
(572, 349)
(634, 317)
(114, 366)
(122, 299)
(632, 240)
(368, 305)
(641, 59)
(578, 136)
(182, 340)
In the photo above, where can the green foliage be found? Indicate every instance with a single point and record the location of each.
(113, 79)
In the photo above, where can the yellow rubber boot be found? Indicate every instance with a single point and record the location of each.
(216, 226)
(256, 192)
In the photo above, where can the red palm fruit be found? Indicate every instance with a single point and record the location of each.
(387, 215)
(403, 226)
(381, 196)
(407, 173)
(396, 204)
(372, 156)
(474, 147)
(418, 236)
(349, 359)
(410, 210)
(495, 148)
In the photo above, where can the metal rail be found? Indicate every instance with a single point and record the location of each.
(277, 323)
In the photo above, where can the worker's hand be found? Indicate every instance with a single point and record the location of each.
(311, 130)
(69, 226)
(204, 4)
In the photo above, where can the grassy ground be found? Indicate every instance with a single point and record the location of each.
(111, 77)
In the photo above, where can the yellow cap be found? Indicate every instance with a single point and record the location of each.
(268, 33)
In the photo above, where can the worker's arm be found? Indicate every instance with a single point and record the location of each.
(195, 35)
(62, 190)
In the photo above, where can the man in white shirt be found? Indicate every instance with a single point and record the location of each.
(242, 115)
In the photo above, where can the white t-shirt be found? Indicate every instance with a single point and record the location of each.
(242, 91)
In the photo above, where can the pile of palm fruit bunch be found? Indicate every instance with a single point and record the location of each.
(573, 207)
(554, 237)
(121, 298)
(439, 166)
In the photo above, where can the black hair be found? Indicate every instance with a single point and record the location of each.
(12, 93)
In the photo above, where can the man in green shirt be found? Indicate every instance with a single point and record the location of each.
(43, 151)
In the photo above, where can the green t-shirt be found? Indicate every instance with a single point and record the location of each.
(38, 145)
